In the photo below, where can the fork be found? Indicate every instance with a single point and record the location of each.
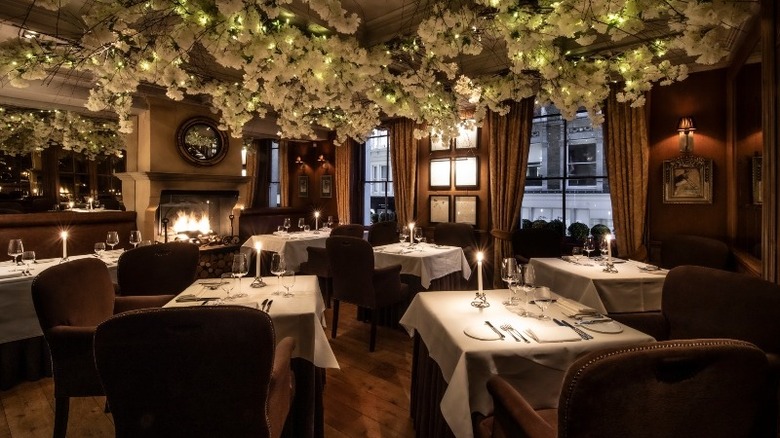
(508, 328)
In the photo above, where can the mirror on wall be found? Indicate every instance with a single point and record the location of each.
(200, 142)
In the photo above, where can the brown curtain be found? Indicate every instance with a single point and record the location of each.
(509, 139)
(284, 174)
(251, 173)
(403, 149)
(627, 153)
(343, 170)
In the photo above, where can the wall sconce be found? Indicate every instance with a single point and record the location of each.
(323, 162)
(685, 127)
(298, 160)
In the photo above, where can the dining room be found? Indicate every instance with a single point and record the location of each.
(415, 198)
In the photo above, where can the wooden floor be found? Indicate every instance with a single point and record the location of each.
(367, 397)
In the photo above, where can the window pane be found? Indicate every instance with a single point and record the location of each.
(378, 202)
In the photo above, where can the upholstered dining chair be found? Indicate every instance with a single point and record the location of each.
(383, 233)
(195, 372)
(162, 270)
(682, 250)
(356, 281)
(317, 259)
(70, 300)
(528, 243)
(457, 234)
(706, 387)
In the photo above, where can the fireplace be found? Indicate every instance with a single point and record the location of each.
(199, 216)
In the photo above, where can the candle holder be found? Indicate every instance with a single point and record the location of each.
(258, 282)
(609, 267)
(480, 301)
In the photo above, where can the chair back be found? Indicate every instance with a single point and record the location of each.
(712, 388)
(700, 302)
(352, 268)
(164, 269)
(528, 243)
(383, 233)
(188, 371)
(352, 230)
(695, 250)
(454, 234)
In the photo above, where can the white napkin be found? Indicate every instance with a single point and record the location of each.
(571, 307)
(553, 334)
(482, 332)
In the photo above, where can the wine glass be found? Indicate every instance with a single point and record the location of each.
(27, 258)
(288, 280)
(112, 239)
(278, 267)
(15, 249)
(529, 279)
(301, 222)
(590, 245)
(100, 248)
(286, 225)
(226, 283)
(543, 298)
(330, 221)
(403, 234)
(306, 228)
(509, 275)
(240, 268)
(418, 234)
(576, 253)
(604, 247)
(135, 238)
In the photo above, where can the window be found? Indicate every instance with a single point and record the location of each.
(15, 177)
(274, 191)
(566, 178)
(378, 201)
(80, 178)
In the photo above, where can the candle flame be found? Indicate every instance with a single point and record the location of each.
(64, 234)
(480, 256)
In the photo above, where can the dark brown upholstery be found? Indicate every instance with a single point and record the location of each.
(383, 233)
(195, 372)
(70, 299)
(457, 234)
(162, 270)
(528, 243)
(695, 250)
(317, 259)
(697, 388)
(356, 281)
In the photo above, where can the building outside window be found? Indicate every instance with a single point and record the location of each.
(274, 191)
(566, 178)
(378, 200)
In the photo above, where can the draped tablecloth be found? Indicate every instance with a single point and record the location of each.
(466, 364)
(631, 289)
(428, 262)
(291, 246)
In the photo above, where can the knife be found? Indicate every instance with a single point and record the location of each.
(582, 334)
(501, 335)
(268, 309)
(262, 305)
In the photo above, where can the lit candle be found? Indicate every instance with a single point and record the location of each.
(609, 246)
(479, 270)
(411, 232)
(258, 250)
(316, 220)
(89, 203)
(64, 236)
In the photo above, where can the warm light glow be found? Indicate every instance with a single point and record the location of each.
(258, 247)
(64, 235)
(480, 256)
(187, 222)
(316, 214)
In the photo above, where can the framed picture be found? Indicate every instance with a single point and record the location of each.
(440, 208)
(466, 209)
(688, 180)
(303, 186)
(438, 145)
(440, 173)
(326, 186)
(467, 137)
(466, 172)
(758, 187)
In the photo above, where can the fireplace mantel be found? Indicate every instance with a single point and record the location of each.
(189, 177)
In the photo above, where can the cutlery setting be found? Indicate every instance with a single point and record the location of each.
(500, 335)
(583, 335)
(515, 334)
(265, 306)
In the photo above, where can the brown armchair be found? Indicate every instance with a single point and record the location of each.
(356, 281)
(70, 300)
(528, 243)
(383, 233)
(713, 388)
(195, 372)
(317, 259)
(162, 270)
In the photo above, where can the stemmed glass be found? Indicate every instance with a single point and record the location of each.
(330, 222)
(301, 223)
(543, 298)
(403, 234)
(418, 234)
(509, 275)
(226, 283)
(240, 268)
(135, 238)
(287, 224)
(288, 280)
(112, 239)
(604, 247)
(100, 248)
(590, 245)
(529, 279)
(278, 268)
(27, 258)
(576, 253)
(15, 249)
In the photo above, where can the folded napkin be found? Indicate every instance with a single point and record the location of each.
(482, 332)
(571, 307)
(552, 334)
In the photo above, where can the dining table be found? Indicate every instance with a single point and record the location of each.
(460, 344)
(290, 246)
(425, 261)
(630, 287)
(300, 316)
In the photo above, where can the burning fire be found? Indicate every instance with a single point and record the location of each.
(189, 222)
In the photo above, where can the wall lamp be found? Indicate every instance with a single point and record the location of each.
(298, 160)
(323, 162)
(685, 128)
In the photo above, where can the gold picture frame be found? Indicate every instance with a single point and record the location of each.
(687, 180)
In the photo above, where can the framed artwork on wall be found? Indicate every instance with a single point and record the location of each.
(758, 187)
(303, 186)
(440, 173)
(440, 208)
(688, 180)
(326, 186)
(466, 172)
(466, 209)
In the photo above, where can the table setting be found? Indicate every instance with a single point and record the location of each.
(424, 260)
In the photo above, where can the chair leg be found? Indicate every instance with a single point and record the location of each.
(61, 407)
(372, 340)
(335, 318)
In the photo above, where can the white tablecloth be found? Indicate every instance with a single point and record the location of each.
(537, 370)
(17, 313)
(300, 316)
(428, 262)
(291, 246)
(629, 290)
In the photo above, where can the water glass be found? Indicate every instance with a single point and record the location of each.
(403, 234)
(288, 280)
(100, 248)
(418, 234)
(301, 222)
(135, 238)
(287, 224)
(112, 239)
(576, 253)
(330, 221)
(278, 267)
(590, 245)
(15, 249)
(306, 228)
(543, 298)
(27, 258)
